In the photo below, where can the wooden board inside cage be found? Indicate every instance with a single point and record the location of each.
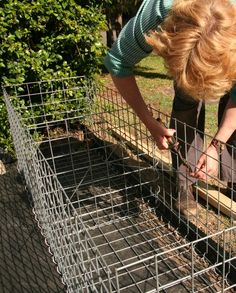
(208, 193)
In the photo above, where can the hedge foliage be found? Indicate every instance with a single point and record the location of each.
(45, 39)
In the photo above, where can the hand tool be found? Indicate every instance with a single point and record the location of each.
(174, 146)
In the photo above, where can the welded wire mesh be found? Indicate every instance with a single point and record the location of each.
(104, 195)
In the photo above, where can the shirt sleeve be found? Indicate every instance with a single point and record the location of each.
(131, 47)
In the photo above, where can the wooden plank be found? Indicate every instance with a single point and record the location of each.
(143, 148)
(217, 199)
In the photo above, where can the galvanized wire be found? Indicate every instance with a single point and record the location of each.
(104, 195)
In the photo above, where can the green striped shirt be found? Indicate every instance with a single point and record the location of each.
(131, 46)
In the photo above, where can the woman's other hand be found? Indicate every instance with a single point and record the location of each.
(207, 164)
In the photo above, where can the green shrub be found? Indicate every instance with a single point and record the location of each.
(47, 39)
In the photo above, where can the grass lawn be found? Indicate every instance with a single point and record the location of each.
(157, 89)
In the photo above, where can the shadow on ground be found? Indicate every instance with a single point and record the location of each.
(25, 263)
(142, 71)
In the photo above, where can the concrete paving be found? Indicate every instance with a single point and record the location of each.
(25, 263)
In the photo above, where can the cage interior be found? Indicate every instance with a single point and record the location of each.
(118, 195)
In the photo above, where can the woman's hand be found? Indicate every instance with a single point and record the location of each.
(160, 133)
(207, 164)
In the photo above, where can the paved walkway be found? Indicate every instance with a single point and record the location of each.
(25, 263)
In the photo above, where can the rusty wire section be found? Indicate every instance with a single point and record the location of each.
(103, 195)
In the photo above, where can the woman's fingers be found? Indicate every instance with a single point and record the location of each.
(207, 166)
(162, 136)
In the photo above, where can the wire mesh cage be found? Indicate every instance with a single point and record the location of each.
(104, 196)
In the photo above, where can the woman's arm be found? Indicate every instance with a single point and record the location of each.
(127, 51)
(208, 162)
(228, 124)
(128, 88)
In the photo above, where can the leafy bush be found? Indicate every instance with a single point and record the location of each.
(45, 39)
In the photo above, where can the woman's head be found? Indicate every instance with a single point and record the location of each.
(198, 43)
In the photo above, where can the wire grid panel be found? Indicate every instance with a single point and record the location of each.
(103, 195)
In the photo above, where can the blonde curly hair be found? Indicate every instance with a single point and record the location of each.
(198, 43)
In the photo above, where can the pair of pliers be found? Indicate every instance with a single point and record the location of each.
(174, 146)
